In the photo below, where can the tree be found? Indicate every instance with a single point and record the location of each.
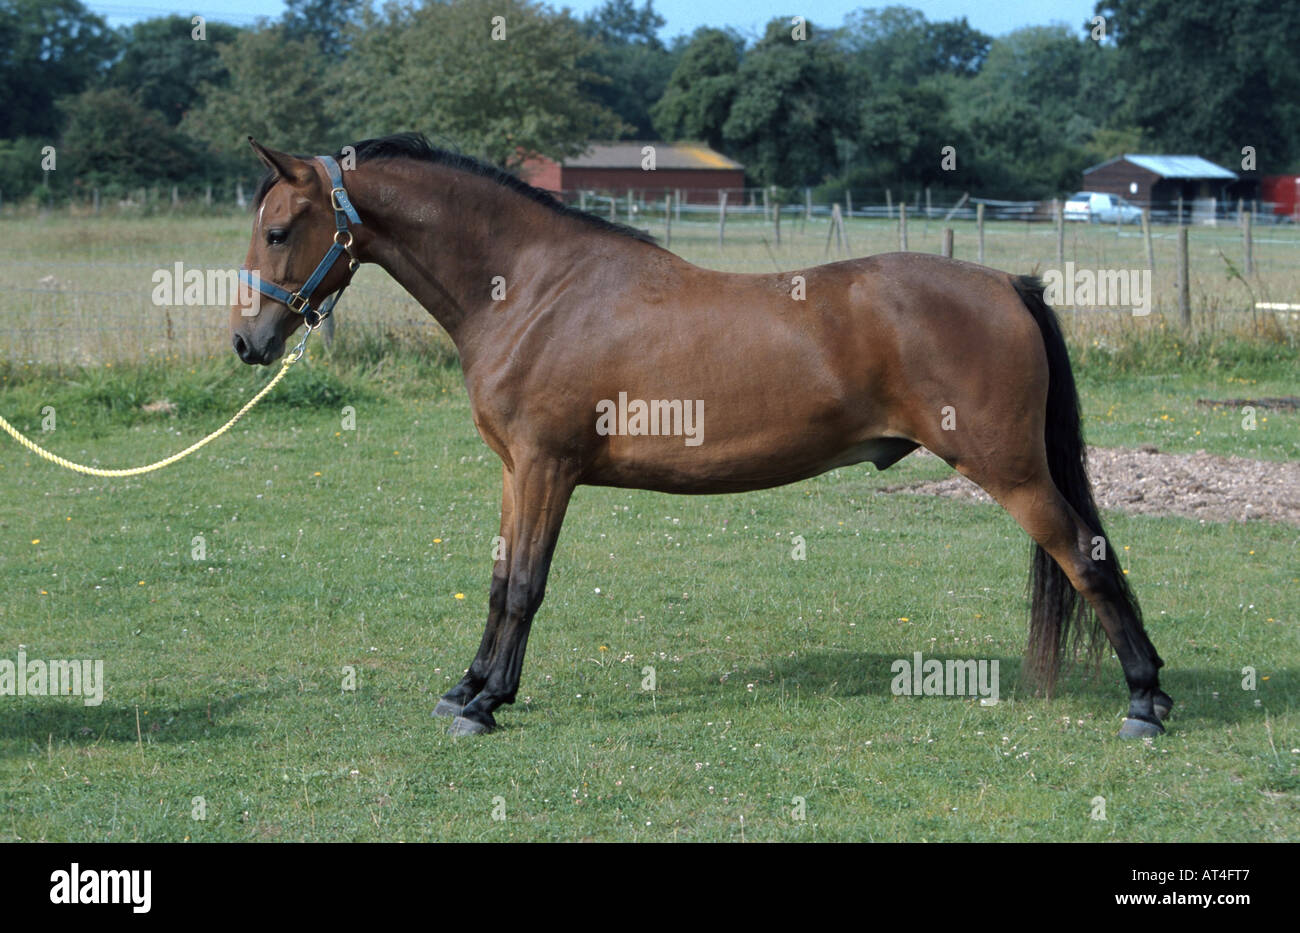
(621, 22)
(323, 23)
(110, 137)
(787, 114)
(631, 62)
(899, 46)
(48, 49)
(697, 101)
(276, 92)
(501, 99)
(901, 136)
(166, 66)
(1207, 79)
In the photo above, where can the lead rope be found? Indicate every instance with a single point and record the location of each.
(294, 356)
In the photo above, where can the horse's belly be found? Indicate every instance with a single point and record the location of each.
(720, 469)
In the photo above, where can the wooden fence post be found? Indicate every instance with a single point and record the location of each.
(1246, 234)
(807, 204)
(1058, 209)
(767, 207)
(776, 216)
(1146, 235)
(582, 199)
(836, 230)
(1184, 281)
(722, 216)
(947, 242)
(902, 225)
(961, 202)
(848, 203)
(979, 229)
(668, 221)
(889, 205)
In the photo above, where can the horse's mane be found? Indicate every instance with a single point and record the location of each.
(415, 146)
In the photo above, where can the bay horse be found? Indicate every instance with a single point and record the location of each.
(557, 313)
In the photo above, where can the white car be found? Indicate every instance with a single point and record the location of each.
(1098, 207)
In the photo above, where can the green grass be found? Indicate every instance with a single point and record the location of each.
(328, 548)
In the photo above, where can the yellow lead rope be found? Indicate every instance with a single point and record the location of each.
(13, 432)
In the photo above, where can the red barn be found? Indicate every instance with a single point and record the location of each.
(1283, 192)
(693, 170)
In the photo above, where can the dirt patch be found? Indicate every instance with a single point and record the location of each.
(1284, 403)
(1147, 482)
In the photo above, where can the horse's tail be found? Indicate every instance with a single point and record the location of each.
(1060, 621)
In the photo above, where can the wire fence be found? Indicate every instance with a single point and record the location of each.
(79, 288)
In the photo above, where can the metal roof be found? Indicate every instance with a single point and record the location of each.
(627, 154)
(1173, 166)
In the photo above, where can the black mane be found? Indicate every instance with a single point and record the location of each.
(416, 146)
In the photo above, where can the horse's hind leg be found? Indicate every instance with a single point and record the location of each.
(1086, 558)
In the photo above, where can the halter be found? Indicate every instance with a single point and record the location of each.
(299, 302)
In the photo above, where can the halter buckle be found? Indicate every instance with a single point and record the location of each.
(335, 193)
(299, 303)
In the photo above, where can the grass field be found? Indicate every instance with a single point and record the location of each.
(327, 549)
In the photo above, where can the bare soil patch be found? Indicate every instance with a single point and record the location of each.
(1146, 482)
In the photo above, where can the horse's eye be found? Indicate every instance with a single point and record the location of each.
(277, 236)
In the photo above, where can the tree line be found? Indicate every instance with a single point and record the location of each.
(885, 98)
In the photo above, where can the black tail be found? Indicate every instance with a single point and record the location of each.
(1061, 622)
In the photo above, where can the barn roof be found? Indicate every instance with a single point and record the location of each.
(627, 154)
(1172, 166)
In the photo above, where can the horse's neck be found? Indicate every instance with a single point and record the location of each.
(445, 236)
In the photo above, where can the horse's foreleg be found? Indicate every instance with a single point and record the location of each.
(455, 699)
(540, 492)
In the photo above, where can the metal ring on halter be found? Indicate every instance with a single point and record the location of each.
(297, 352)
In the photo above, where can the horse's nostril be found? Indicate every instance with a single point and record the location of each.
(241, 347)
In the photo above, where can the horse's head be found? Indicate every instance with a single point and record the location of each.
(298, 235)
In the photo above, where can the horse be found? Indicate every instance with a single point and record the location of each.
(566, 324)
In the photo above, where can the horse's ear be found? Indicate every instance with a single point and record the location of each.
(297, 172)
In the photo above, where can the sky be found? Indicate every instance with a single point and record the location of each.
(684, 16)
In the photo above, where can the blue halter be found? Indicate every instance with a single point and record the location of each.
(299, 302)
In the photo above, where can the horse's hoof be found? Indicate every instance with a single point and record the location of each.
(1140, 729)
(447, 708)
(463, 725)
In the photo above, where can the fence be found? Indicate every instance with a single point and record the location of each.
(76, 287)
